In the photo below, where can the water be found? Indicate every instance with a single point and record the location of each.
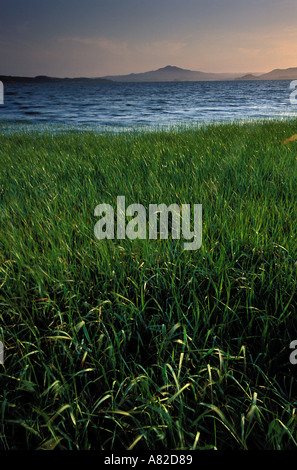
(116, 106)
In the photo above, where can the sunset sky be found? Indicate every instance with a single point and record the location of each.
(92, 38)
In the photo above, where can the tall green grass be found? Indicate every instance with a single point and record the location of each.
(120, 344)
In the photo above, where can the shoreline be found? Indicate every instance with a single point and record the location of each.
(11, 127)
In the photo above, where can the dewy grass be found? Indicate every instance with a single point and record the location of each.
(121, 344)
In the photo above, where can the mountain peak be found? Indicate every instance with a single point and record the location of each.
(170, 68)
(171, 73)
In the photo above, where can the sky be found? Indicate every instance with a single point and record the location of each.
(94, 38)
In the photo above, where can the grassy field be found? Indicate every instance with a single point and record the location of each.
(121, 344)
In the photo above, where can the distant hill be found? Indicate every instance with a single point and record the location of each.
(249, 76)
(46, 79)
(276, 74)
(166, 74)
(281, 74)
(172, 74)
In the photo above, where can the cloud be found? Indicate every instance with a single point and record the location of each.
(120, 48)
(100, 43)
(120, 56)
(169, 48)
(250, 52)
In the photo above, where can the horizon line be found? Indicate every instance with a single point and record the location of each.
(136, 73)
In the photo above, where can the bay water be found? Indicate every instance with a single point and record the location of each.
(120, 106)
